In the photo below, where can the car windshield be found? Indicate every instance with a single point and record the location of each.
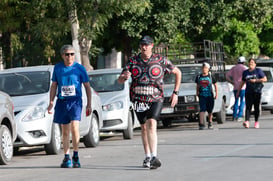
(25, 83)
(265, 64)
(105, 82)
(188, 75)
(268, 76)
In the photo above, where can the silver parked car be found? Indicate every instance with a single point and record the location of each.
(118, 113)
(267, 91)
(7, 128)
(29, 89)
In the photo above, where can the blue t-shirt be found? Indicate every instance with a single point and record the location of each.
(69, 80)
(257, 73)
(205, 84)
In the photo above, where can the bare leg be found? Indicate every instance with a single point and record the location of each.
(66, 141)
(201, 117)
(210, 117)
(152, 135)
(75, 134)
(145, 139)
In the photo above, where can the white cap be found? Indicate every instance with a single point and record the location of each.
(205, 64)
(241, 59)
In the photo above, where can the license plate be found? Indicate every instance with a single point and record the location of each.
(167, 110)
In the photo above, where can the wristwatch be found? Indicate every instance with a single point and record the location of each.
(175, 92)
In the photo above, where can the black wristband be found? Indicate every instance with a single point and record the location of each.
(175, 92)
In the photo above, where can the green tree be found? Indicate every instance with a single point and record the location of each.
(163, 20)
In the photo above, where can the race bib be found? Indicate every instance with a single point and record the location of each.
(141, 106)
(68, 91)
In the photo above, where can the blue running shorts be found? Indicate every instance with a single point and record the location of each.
(206, 104)
(67, 110)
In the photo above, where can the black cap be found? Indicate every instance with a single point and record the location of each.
(147, 40)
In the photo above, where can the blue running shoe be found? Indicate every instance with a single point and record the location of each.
(76, 162)
(66, 163)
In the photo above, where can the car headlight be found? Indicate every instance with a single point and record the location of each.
(113, 106)
(189, 99)
(34, 113)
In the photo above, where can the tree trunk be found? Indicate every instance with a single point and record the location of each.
(75, 33)
(6, 50)
(81, 44)
(85, 45)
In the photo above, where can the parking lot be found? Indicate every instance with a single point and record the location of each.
(228, 152)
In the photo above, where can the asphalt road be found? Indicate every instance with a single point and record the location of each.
(228, 152)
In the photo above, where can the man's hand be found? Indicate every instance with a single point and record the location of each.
(50, 106)
(88, 110)
(126, 75)
(173, 99)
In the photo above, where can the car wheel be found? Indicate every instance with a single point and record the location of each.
(129, 132)
(221, 115)
(54, 147)
(6, 145)
(93, 137)
(167, 123)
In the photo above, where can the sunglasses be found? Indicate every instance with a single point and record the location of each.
(67, 54)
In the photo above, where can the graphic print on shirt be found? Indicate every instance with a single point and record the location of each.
(147, 77)
(205, 84)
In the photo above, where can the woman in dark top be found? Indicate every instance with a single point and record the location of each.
(253, 78)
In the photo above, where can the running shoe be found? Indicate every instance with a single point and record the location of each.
(76, 162)
(257, 125)
(246, 124)
(201, 126)
(210, 125)
(66, 163)
(155, 163)
(146, 162)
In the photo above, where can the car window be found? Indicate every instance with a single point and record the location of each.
(25, 83)
(265, 64)
(105, 82)
(188, 75)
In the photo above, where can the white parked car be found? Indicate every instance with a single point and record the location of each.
(118, 113)
(188, 101)
(267, 91)
(29, 90)
(7, 128)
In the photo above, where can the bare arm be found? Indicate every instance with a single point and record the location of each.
(197, 90)
(52, 94)
(240, 87)
(88, 95)
(216, 91)
(174, 97)
(261, 80)
(229, 79)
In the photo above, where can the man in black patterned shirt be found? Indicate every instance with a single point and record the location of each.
(147, 71)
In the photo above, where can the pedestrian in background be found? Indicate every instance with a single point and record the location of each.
(253, 77)
(147, 71)
(234, 76)
(68, 77)
(206, 90)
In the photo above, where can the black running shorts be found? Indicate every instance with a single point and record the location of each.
(153, 112)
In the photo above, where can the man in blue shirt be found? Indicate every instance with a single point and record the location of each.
(68, 76)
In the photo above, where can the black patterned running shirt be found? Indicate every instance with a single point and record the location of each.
(147, 77)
